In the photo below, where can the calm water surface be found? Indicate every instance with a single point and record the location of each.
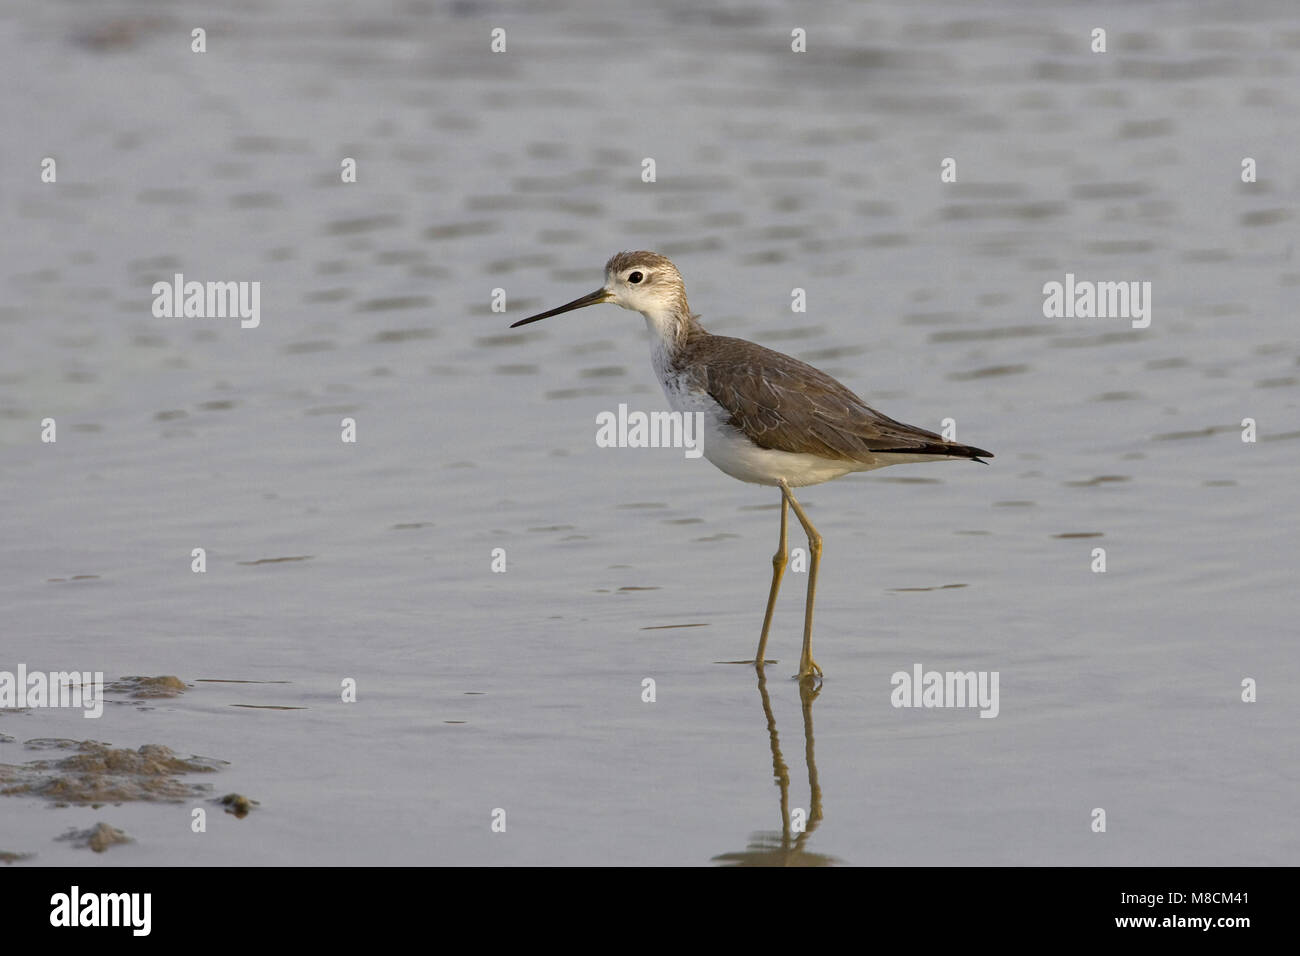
(522, 171)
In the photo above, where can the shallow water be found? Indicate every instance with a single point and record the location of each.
(522, 171)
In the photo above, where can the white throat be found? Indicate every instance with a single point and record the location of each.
(668, 329)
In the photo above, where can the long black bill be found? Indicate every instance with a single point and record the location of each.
(591, 298)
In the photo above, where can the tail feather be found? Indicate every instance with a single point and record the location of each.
(940, 449)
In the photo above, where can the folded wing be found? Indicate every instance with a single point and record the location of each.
(788, 405)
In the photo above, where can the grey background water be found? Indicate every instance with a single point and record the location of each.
(775, 170)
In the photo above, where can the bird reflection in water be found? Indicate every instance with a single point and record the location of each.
(785, 847)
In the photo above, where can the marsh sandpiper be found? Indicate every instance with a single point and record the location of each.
(768, 418)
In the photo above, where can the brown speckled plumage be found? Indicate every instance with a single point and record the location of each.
(782, 403)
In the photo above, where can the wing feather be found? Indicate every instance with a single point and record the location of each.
(788, 405)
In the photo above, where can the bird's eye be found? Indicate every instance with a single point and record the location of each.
(634, 277)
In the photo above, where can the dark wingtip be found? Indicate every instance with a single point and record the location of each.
(939, 450)
(966, 451)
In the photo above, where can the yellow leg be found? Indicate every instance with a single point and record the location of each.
(807, 666)
(778, 569)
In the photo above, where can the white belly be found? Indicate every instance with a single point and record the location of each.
(731, 451)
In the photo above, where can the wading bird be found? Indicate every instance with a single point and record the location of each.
(768, 418)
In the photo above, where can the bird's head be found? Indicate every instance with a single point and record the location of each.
(644, 282)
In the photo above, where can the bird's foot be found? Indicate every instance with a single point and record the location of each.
(808, 670)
